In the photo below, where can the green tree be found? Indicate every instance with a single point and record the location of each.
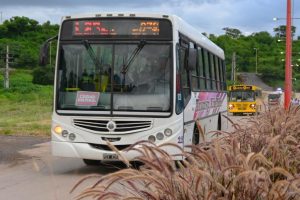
(280, 31)
(232, 32)
(25, 36)
(17, 26)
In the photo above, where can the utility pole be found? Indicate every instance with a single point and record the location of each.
(233, 67)
(288, 57)
(256, 58)
(6, 73)
(50, 52)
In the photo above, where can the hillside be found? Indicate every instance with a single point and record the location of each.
(253, 79)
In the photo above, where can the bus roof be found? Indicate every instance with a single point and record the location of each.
(178, 25)
(194, 34)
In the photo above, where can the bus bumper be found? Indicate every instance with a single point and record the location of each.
(242, 111)
(85, 151)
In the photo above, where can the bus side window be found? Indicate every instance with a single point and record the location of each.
(200, 66)
(217, 73)
(195, 78)
(207, 71)
(212, 71)
(224, 74)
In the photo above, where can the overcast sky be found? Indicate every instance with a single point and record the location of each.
(208, 16)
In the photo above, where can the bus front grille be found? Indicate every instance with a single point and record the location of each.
(241, 106)
(101, 126)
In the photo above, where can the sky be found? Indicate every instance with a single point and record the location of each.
(209, 16)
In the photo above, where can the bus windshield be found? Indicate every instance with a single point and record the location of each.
(242, 95)
(120, 77)
(273, 96)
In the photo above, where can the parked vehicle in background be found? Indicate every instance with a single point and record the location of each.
(274, 99)
(126, 78)
(279, 91)
(244, 99)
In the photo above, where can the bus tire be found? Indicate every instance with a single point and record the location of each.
(91, 162)
(196, 136)
(219, 122)
(136, 164)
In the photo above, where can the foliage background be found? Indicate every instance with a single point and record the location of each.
(270, 54)
(25, 37)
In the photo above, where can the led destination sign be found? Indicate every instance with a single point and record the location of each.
(116, 28)
(108, 27)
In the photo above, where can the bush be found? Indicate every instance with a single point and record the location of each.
(43, 76)
(261, 161)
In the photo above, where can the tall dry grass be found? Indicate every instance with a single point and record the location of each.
(259, 161)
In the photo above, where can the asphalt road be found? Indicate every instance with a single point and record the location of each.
(28, 171)
(252, 79)
(11, 145)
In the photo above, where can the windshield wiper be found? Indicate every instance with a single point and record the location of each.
(125, 67)
(135, 52)
(92, 54)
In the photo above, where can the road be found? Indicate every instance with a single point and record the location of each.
(252, 79)
(29, 172)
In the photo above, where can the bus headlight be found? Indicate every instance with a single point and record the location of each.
(230, 106)
(252, 106)
(168, 132)
(58, 130)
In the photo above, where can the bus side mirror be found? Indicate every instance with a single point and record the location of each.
(192, 59)
(44, 54)
(44, 51)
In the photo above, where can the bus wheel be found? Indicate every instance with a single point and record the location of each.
(91, 162)
(136, 164)
(219, 122)
(195, 138)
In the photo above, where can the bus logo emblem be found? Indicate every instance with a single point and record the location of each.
(111, 126)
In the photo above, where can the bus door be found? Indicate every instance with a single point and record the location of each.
(187, 62)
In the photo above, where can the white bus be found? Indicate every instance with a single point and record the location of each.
(128, 77)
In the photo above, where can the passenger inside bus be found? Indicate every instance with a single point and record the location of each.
(102, 78)
(87, 82)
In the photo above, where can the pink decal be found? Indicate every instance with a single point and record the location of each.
(87, 98)
(208, 103)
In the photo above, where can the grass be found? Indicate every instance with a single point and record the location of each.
(257, 161)
(25, 107)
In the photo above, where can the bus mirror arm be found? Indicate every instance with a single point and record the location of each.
(44, 51)
(192, 59)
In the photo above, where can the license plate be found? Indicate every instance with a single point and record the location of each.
(110, 156)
